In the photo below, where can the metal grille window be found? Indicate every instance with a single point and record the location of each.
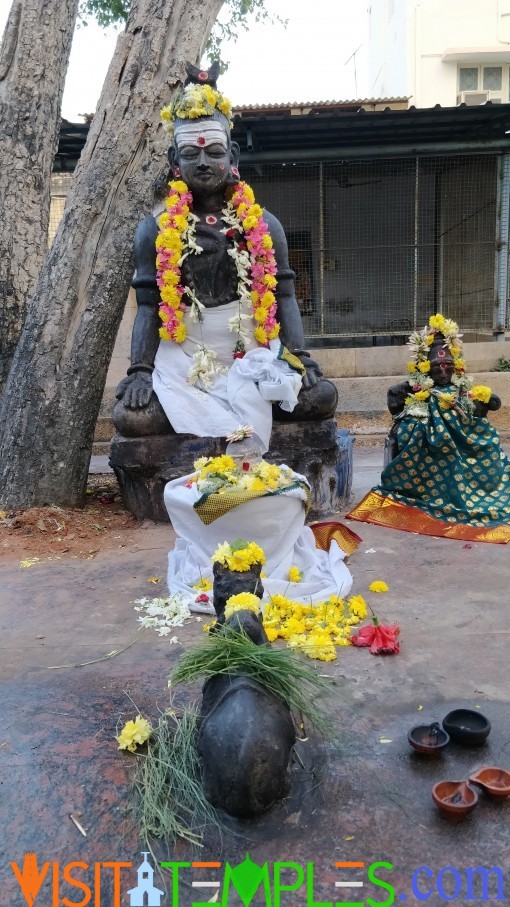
(379, 245)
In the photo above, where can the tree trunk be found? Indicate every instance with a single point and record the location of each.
(59, 370)
(33, 64)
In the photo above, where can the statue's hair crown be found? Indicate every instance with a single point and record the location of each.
(199, 97)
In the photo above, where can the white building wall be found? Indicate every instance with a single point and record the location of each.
(417, 46)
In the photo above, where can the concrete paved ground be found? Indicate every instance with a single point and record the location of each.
(366, 798)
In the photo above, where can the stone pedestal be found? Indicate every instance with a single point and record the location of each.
(143, 466)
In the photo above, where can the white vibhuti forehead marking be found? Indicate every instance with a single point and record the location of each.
(210, 133)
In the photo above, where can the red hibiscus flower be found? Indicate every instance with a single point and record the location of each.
(381, 639)
(202, 598)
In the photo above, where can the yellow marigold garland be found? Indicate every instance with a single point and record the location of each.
(243, 601)
(257, 271)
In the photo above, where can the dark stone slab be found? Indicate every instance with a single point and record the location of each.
(143, 466)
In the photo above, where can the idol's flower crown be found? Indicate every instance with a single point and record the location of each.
(445, 332)
(198, 98)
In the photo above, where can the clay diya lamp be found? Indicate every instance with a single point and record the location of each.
(456, 798)
(494, 781)
(467, 726)
(428, 739)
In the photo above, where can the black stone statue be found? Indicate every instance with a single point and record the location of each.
(207, 171)
(246, 737)
(441, 372)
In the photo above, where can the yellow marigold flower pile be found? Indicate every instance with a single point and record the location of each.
(133, 734)
(378, 585)
(239, 556)
(314, 630)
(243, 601)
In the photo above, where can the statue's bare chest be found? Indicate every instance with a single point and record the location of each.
(212, 273)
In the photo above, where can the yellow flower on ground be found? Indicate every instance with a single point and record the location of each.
(378, 586)
(481, 392)
(243, 601)
(358, 606)
(295, 575)
(424, 367)
(133, 734)
(318, 645)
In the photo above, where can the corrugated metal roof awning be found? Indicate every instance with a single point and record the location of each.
(346, 132)
(266, 137)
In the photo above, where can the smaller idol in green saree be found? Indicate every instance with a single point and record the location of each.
(445, 473)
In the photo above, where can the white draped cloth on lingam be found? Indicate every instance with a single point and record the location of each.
(242, 394)
(275, 522)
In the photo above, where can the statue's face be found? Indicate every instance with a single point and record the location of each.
(203, 154)
(441, 368)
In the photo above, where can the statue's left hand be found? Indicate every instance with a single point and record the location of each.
(313, 372)
(135, 390)
(481, 409)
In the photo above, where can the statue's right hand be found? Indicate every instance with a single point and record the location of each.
(135, 391)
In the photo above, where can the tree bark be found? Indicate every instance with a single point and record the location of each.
(33, 64)
(59, 370)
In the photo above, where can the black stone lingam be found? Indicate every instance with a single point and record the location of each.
(246, 733)
(232, 582)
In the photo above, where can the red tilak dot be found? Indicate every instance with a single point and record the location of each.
(203, 75)
(201, 140)
(211, 219)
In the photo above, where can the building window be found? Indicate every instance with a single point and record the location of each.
(479, 84)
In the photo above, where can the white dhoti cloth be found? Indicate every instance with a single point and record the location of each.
(243, 395)
(276, 523)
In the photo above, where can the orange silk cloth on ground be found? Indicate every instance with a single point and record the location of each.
(325, 532)
(383, 511)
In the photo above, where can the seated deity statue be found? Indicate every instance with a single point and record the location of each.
(446, 474)
(217, 339)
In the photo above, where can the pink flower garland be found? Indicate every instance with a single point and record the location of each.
(172, 243)
(262, 262)
(173, 224)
